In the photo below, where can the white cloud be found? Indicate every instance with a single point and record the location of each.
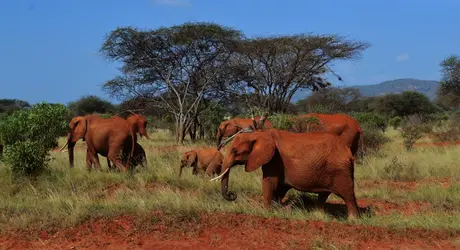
(402, 57)
(173, 3)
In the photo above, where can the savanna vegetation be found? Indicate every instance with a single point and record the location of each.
(186, 79)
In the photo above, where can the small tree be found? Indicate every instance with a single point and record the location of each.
(412, 131)
(448, 94)
(90, 104)
(29, 135)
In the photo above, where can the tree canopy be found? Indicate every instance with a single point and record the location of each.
(448, 94)
(182, 68)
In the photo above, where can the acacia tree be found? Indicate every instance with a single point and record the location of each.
(274, 68)
(448, 94)
(175, 68)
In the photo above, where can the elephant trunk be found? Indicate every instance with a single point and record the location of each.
(71, 156)
(228, 195)
(219, 137)
(70, 148)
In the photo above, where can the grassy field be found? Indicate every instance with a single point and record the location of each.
(395, 189)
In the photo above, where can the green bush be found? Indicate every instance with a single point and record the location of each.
(281, 121)
(295, 124)
(412, 130)
(370, 119)
(373, 140)
(29, 135)
(395, 122)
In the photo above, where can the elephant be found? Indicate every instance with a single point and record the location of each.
(232, 126)
(138, 124)
(108, 137)
(139, 157)
(202, 160)
(346, 127)
(317, 162)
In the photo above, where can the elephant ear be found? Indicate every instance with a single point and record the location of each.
(78, 127)
(191, 157)
(262, 152)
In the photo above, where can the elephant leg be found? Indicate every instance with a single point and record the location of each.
(114, 156)
(344, 188)
(321, 202)
(280, 193)
(213, 168)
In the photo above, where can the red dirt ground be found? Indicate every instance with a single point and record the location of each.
(225, 231)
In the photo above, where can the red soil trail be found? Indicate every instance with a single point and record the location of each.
(225, 231)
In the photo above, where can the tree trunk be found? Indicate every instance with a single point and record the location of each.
(192, 130)
(181, 133)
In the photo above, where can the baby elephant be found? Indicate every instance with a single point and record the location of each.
(202, 160)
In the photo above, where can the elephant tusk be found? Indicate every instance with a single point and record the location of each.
(65, 150)
(220, 176)
(245, 130)
(67, 142)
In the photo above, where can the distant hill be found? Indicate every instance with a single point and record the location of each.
(425, 87)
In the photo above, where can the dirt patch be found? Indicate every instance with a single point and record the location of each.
(225, 231)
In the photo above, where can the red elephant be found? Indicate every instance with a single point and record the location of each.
(346, 127)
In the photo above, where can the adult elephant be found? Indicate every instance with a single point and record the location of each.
(346, 127)
(317, 162)
(138, 124)
(232, 126)
(108, 137)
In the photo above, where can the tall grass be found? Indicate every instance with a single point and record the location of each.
(63, 196)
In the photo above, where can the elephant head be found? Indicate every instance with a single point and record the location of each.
(250, 148)
(189, 158)
(139, 124)
(78, 127)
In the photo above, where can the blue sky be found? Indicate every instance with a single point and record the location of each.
(49, 48)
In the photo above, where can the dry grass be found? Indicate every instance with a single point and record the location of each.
(64, 196)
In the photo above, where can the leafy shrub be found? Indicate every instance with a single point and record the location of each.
(295, 124)
(412, 131)
(281, 121)
(374, 139)
(371, 120)
(395, 122)
(447, 131)
(29, 135)
(398, 171)
(302, 125)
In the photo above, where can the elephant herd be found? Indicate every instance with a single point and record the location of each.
(108, 137)
(321, 162)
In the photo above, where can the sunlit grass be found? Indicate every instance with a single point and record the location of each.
(64, 196)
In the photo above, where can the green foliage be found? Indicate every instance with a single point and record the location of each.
(295, 124)
(411, 131)
(404, 104)
(447, 130)
(28, 135)
(395, 122)
(281, 121)
(10, 105)
(370, 119)
(90, 104)
(398, 171)
(373, 138)
(448, 94)
(211, 120)
(331, 100)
